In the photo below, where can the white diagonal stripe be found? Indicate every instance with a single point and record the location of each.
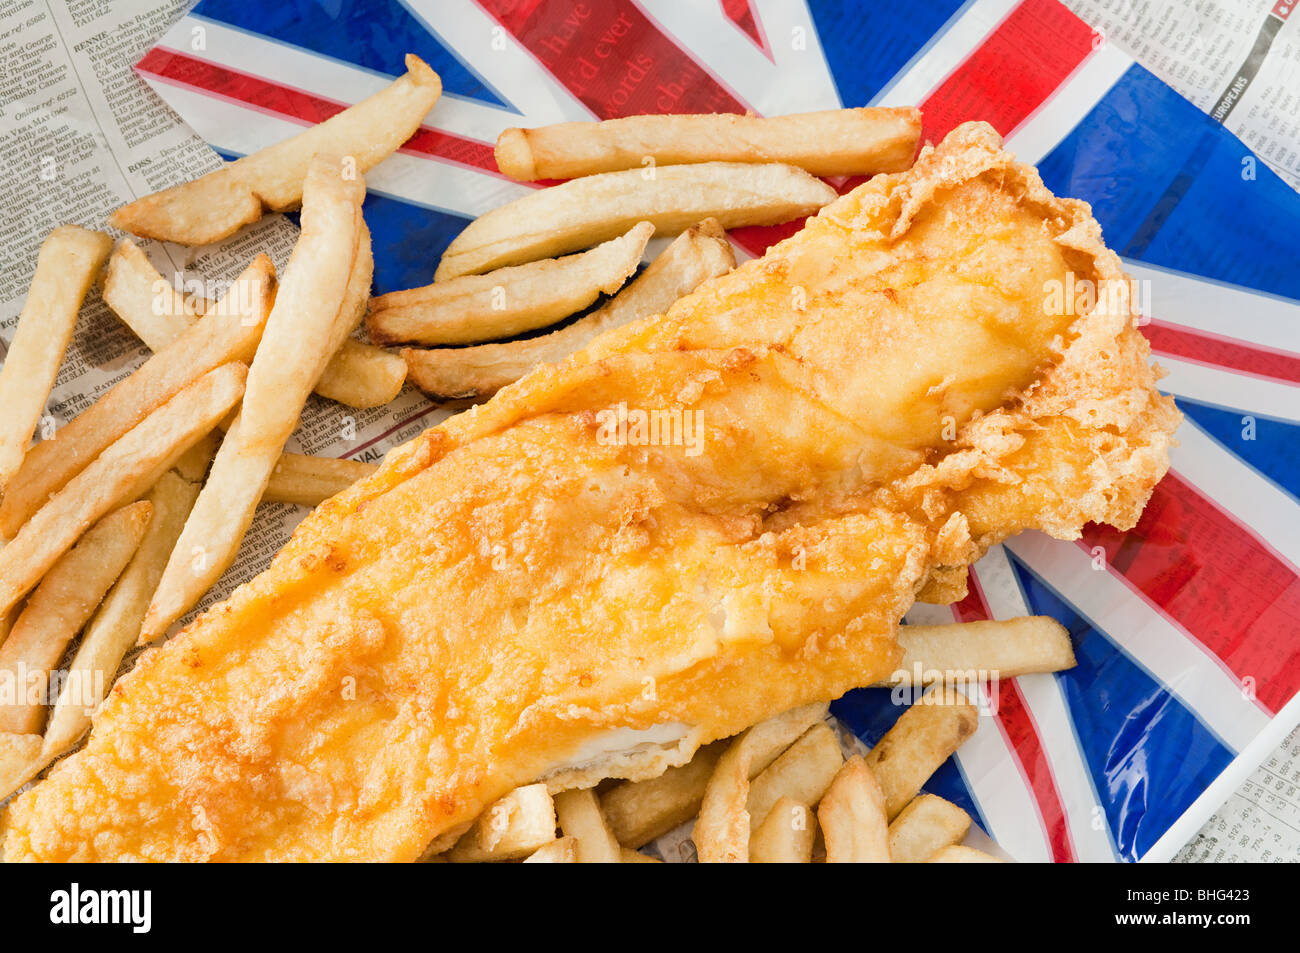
(1061, 112)
(916, 81)
(1270, 514)
(1227, 388)
(1172, 657)
(1214, 307)
(1045, 701)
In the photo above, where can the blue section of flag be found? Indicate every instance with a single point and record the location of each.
(870, 712)
(1269, 446)
(1166, 183)
(408, 240)
(1148, 755)
(866, 45)
(375, 36)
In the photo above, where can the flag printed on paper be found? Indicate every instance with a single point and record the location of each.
(1185, 628)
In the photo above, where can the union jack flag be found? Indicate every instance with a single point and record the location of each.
(1187, 629)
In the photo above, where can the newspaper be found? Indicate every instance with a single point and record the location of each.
(1237, 60)
(1261, 821)
(80, 135)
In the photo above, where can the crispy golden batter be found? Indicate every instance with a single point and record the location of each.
(514, 597)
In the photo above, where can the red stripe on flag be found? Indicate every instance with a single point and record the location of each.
(299, 106)
(741, 13)
(1018, 728)
(612, 57)
(1214, 579)
(1215, 350)
(1013, 72)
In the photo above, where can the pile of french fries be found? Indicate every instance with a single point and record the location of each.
(784, 791)
(119, 522)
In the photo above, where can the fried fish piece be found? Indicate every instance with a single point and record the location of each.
(700, 520)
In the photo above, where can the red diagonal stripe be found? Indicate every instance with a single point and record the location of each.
(1018, 727)
(1215, 350)
(1013, 72)
(1211, 576)
(297, 105)
(612, 57)
(741, 13)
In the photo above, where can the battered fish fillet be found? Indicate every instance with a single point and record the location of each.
(529, 591)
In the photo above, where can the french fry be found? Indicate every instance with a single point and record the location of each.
(116, 625)
(217, 339)
(786, 835)
(358, 374)
(144, 300)
(803, 772)
(66, 266)
(629, 856)
(125, 470)
(220, 203)
(640, 811)
(852, 817)
(583, 212)
(361, 375)
(306, 480)
(20, 761)
(722, 830)
(922, 739)
(697, 254)
(832, 142)
(60, 606)
(562, 850)
(1001, 649)
(959, 854)
(926, 825)
(509, 300)
(578, 813)
(316, 297)
(513, 827)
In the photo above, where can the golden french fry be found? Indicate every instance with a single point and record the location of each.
(922, 739)
(578, 813)
(562, 850)
(640, 811)
(361, 375)
(306, 480)
(193, 464)
(515, 826)
(596, 208)
(967, 652)
(125, 470)
(116, 625)
(60, 606)
(722, 830)
(315, 299)
(20, 761)
(852, 817)
(803, 772)
(629, 856)
(509, 300)
(144, 300)
(66, 266)
(958, 854)
(358, 374)
(220, 203)
(215, 340)
(697, 254)
(926, 825)
(785, 836)
(861, 141)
